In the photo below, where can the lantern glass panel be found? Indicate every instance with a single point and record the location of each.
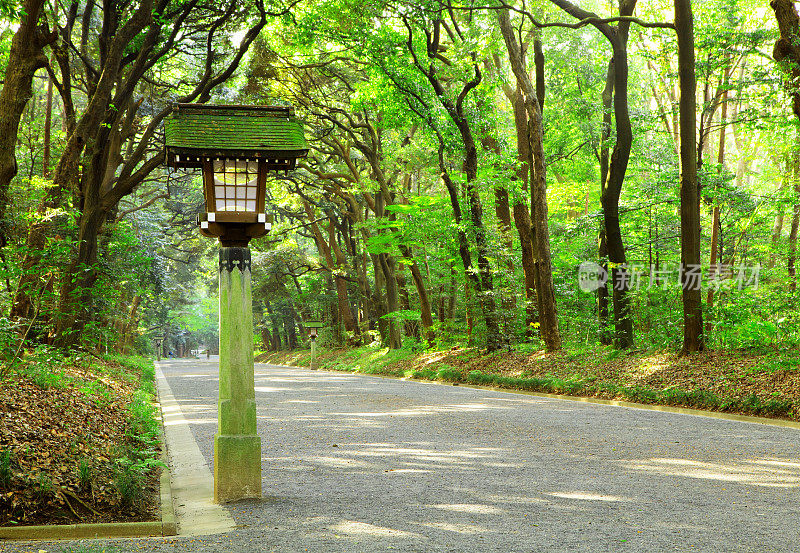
(235, 185)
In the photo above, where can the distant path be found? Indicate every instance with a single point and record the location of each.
(364, 464)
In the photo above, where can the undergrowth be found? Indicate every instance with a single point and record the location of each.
(382, 361)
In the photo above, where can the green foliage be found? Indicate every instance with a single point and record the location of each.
(45, 367)
(5, 469)
(85, 474)
(43, 487)
(129, 481)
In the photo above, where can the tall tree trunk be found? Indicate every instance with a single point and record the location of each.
(25, 57)
(777, 228)
(793, 248)
(324, 248)
(76, 305)
(522, 217)
(486, 291)
(618, 165)
(548, 316)
(715, 220)
(620, 281)
(422, 292)
(606, 334)
(484, 285)
(793, 230)
(48, 121)
(276, 325)
(693, 339)
(410, 328)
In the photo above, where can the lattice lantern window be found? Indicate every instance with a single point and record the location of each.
(236, 147)
(236, 186)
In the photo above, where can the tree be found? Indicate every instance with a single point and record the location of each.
(548, 318)
(690, 197)
(114, 143)
(26, 56)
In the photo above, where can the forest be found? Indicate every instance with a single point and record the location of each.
(506, 176)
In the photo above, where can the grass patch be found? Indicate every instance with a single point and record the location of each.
(736, 382)
(104, 446)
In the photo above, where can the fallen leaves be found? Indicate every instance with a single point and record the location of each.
(50, 432)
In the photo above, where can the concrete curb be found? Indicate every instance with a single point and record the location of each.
(166, 527)
(599, 401)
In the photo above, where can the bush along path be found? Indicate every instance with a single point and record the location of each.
(79, 439)
(764, 384)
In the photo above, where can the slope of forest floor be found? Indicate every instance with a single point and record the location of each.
(78, 441)
(765, 384)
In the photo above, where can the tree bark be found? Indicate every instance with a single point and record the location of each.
(606, 334)
(484, 288)
(793, 229)
(548, 316)
(522, 217)
(693, 340)
(324, 248)
(715, 218)
(618, 165)
(422, 292)
(25, 57)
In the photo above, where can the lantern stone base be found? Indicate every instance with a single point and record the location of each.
(237, 467)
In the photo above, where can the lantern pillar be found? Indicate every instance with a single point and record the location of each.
(237, 447)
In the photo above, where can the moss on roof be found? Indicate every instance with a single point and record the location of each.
(251, 128)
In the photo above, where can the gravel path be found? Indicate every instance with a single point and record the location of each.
(364, 464)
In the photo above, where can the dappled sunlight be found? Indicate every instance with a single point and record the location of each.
(383, 451)
(355, 528)
(195, 408)
(513, 499)
(299, 401)
(425, 410)
(474, 509)
(522, 401)
(776, 463)
(178, 413)
(204, 376)
(202, 421)
(754, 472)
(270, 389)
(587, 496)
(343, 463)
(458, 528)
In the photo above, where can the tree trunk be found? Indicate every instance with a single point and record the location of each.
(548, 317)
(75, 306)
(276, 325)
(522, 217)
(777, 228)
(793, 248)
(25, 57)
(422, 292)
(606, 334)
(793, 229)
(715, 219)
(341, 284)
(693, 339)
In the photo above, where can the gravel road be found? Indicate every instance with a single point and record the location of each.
(364, 464)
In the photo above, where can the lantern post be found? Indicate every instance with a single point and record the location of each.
(159, 339)
(313, 332)
(236, 147)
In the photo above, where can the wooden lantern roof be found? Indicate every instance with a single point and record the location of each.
(194, 132)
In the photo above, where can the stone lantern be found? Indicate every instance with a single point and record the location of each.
(236, 147)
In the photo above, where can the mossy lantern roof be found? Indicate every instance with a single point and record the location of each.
(194, 132)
